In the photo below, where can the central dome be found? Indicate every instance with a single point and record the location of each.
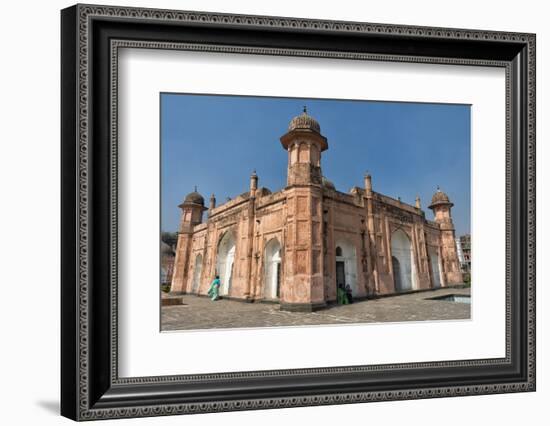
(304, 121)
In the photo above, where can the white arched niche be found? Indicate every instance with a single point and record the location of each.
(436, 269)
(272, 274)
(346, 264)
(404, 271)
(224, 262)
(197, 273)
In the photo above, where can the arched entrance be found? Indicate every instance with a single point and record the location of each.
(272, 276)
(346, 265)
(402, 261)
(224, 262)
(436, 270)
(197, 273)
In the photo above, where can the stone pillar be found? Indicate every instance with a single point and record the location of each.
(303, 273)
(253, 183)
(329, 263)
(181, 264)
(368, 184)
(449, 256)
(388, 252)
(422, 246)
(371, 239)
(250, 223)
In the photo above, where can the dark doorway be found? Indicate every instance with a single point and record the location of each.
(340, 274)
(396, 274)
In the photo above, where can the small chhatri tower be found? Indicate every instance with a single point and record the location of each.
(441, 206)
(296, 245)
(192, 210)
(304, 144)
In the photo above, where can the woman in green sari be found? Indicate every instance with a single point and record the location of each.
(214, 290)
(341, 296)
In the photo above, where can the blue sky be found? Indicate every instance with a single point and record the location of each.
(215, 142)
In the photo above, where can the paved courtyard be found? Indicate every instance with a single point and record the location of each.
(201, 313)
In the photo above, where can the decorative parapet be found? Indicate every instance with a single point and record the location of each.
(200, 227)
(397, 203)
(269, 199)
(340, 196)
(230, 204)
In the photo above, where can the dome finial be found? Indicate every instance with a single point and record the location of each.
(195, 188)
(304, 121)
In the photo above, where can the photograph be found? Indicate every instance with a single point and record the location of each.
(285, 212)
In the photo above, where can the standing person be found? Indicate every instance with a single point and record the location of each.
(214, 290)
(341, 296)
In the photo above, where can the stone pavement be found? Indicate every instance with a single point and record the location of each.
(201, 313)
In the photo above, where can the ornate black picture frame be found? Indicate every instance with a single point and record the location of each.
(91, 388)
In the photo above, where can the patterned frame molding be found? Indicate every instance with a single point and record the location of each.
(91, 388)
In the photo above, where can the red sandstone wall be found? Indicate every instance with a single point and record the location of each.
(308, 224)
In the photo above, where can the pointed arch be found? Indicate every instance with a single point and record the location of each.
(225, 257)
(272, 269)
(404, 271)
(346, 264)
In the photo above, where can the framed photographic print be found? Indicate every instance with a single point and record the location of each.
(263, 212)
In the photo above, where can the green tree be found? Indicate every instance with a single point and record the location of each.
(170, 238)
